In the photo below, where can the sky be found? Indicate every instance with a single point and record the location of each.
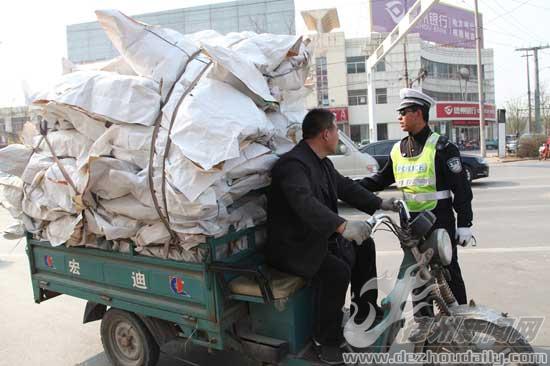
(33, 37)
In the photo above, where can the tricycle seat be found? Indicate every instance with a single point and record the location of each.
(283, 285)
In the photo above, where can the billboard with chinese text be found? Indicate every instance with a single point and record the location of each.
(443, 24)
(463, 110)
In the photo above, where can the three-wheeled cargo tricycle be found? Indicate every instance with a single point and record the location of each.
(236, 302)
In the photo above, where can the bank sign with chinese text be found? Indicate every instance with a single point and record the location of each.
(463, 111)
(443, 24)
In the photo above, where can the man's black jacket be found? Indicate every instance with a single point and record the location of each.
(302, 209)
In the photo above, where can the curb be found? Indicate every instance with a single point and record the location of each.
(500, 161)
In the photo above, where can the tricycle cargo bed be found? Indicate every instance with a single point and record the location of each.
(191, 295)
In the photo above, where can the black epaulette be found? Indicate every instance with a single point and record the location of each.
(442, 142)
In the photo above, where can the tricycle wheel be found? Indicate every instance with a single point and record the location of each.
(482, 336)
(127, 341)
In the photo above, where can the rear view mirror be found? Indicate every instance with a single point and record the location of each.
(344, 150)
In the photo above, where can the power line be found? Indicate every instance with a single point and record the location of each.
(509, 11)
(507, 34)
(512, 20)
(533, 5)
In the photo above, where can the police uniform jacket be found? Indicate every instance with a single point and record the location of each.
(450, 175)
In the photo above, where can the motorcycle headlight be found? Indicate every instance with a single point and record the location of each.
(440, 242)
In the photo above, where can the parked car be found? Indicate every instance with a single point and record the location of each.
(379, 150)
(350, 162)
(491, 144)
(511, 145)
(475, 166)
(363, 143)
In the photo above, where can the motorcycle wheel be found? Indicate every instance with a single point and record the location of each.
(491, 337)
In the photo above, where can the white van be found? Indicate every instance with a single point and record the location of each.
(351, 162)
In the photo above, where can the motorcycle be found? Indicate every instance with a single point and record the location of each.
(544, 151)
(468, 145)
(455, 328)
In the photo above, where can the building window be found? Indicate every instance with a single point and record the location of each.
(357, 97)
(441, 70)
(356, 64)
(382, 131)
(17, 124)
(360, 133)
(381, 96)
(443, 96)
(381, 65)
(322, 81)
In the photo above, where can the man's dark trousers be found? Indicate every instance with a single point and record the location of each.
(344, 262)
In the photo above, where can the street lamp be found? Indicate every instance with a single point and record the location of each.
(464, 74)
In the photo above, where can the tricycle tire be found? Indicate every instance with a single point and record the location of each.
(500, 337)
(127, 341)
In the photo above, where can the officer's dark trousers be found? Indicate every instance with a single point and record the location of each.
(457, 283)
(345, 263)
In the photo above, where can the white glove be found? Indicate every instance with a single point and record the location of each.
(389, 205)
(357, 231)
(464, 236)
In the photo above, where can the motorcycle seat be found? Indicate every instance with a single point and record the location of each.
(283, 285)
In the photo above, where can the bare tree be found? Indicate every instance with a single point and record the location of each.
(289, 24)
(258, 23)
(516, 120)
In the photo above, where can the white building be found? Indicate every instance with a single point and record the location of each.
(340, 82)
(87, 42)
(12, 120)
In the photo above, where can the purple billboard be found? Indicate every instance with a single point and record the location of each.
(443, 24)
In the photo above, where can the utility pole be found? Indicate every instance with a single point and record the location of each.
(529, 125)
(538, 124)
(480, 84)
(407, 83)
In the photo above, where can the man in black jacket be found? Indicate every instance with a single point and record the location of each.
(308, 238)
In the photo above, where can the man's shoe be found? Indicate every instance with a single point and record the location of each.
(342, 343)
(421, 330)
(330, 355)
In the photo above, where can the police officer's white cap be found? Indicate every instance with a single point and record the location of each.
(410, 97)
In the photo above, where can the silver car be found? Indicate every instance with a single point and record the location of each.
(351, 162)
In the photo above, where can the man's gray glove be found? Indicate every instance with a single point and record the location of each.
(389, 204)
(357, 231)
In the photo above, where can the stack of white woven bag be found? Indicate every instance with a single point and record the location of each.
(163, 146)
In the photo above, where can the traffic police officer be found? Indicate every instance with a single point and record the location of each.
(426, 167)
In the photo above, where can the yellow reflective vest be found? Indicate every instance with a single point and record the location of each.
(416, 178)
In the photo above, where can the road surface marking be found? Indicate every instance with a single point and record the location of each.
(477, 206)
(481, 250)
(489, 188)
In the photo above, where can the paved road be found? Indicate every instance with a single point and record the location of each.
(507, 271)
